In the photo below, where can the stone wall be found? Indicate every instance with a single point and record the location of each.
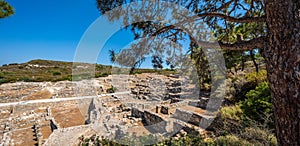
(154, 123)
(141, 105)
(177, 126)
(137, 113)
(182, 115)
(193, 118)
(200, 103)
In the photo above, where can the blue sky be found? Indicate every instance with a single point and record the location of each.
(51, 30)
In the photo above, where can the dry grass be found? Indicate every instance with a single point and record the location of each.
(46, 131)
(24, 137)
(43, 94)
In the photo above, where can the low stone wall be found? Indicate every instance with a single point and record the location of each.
(193, 118)
(154, 123)
(201, 104)
(177, 126)
(138, 105)
(137, 113)
(182, 115)
(179, 104)
(38, 134)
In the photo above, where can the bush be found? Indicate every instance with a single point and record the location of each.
(1, 75)
(258, 102)
(257, 77)
(13, 64)
(260, 136)
(232, 112)
(231, 140)
(25, 79)
(101, 75)
(56, 73)
(112, 89)
(245, 84)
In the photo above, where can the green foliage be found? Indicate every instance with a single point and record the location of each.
(202, 67)
(250, 137)
(96, 141)
(5, 9)
(258, 101)
(1, 75)
(233, 59)
(112, 89)
(232, 112)
(101, 75)
(187, 140)
(244, 83)
(259, 136)
(255, 77)
(56, 73)
(231, 140)
(157, 62)
(47, 70)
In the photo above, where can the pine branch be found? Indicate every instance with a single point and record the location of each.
(257, 43)
(233, 19)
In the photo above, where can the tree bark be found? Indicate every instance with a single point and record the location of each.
(282, 56)
(253, 60)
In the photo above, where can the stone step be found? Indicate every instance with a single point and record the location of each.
(196, 118)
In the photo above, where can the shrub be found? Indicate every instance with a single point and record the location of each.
(258, 102)
(232, 112)
(112, 89)
(13, 64)
(56, 73)
(258, 135)
(231, 140)
(257, 77)
(25, 79)
(1, 75)
(101, 75)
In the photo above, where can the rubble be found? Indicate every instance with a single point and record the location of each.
(157, 104)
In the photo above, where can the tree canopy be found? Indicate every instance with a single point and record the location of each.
(5, 9)
(243, 25)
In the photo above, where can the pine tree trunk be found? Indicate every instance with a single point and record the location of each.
(283, 65)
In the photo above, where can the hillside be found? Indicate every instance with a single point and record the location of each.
(47, 70)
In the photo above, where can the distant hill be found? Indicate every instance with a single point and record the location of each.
(47, 70)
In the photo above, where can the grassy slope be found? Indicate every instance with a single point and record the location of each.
(46, 70)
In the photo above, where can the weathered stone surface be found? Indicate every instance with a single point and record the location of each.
(164, 110)
(137, 113)
(154, 122)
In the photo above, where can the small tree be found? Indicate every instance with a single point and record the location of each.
(157, 62)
